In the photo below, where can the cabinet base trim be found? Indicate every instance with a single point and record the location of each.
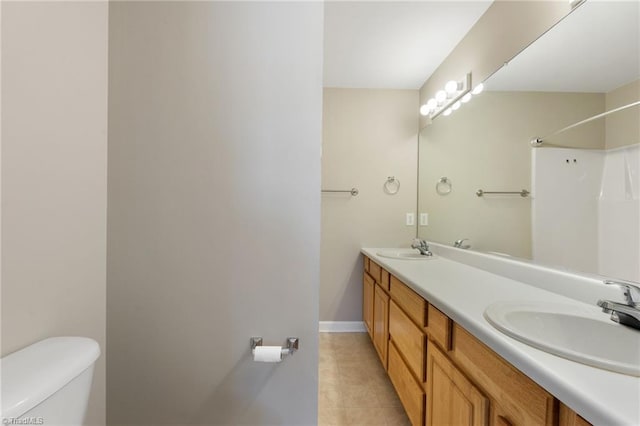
(342, 327)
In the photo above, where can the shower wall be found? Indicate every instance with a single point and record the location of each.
(565, 185)
(586, 210)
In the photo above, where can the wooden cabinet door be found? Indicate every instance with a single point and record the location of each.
(452, 400)
(367, 303)
(380, 323)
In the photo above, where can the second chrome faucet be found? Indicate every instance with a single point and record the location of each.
(460, 244)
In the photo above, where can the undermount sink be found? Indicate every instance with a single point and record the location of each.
(405, 254)
(576, 332)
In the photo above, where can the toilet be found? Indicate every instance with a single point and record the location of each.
(48, 382)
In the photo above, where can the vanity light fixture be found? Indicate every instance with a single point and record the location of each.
(575, 3)
(447, 100)
(466, 98)
(478, 89)
(452, 87)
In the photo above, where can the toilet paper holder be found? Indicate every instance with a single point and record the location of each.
(292, 345)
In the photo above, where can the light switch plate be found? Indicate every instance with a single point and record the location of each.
(424, 219)
(411, 219)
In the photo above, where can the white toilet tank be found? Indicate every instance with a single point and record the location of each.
(48, 383)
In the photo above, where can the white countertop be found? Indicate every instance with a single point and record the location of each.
(463, 292)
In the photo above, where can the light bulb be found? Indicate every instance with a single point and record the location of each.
(466, 98)
(456, 105)
(424, 110)
(432, 104)
(478, 89)
(441, 96)
(451, 87)
(447, 112)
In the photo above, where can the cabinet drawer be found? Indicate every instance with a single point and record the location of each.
(409, 340)
(409, 300)
(439, 328)
(410, 392)
(374, 270)
(365, 261)
(521, 400)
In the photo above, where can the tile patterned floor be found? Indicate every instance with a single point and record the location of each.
(354, 388)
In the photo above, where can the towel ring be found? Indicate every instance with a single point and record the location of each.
(392, 185)
(443, 187)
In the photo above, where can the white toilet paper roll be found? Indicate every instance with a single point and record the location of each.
(267, 354)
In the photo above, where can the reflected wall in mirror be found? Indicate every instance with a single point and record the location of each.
(583, 211)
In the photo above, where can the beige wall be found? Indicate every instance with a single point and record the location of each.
(368, 135)
(486, 145)
(54, 153)
(214, 210)
(623, 128)
(505, 29)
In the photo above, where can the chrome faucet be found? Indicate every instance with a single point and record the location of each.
(624, 313)
(421, 246)
(459, 244)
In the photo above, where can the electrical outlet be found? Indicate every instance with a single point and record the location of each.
(410, 219)
(424, 219)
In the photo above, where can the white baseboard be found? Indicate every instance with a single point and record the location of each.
(342, 327)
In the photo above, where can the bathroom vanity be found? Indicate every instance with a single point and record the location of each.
(450, 366)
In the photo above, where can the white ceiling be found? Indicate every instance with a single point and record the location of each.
(595, 49)
(392, 45)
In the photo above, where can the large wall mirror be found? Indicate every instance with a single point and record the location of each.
(582, 209)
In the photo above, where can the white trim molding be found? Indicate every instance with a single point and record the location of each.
(342, 327)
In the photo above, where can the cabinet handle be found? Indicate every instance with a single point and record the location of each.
(502, 421)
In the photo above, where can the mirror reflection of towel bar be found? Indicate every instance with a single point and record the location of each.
(352, 191)
(523, 193)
